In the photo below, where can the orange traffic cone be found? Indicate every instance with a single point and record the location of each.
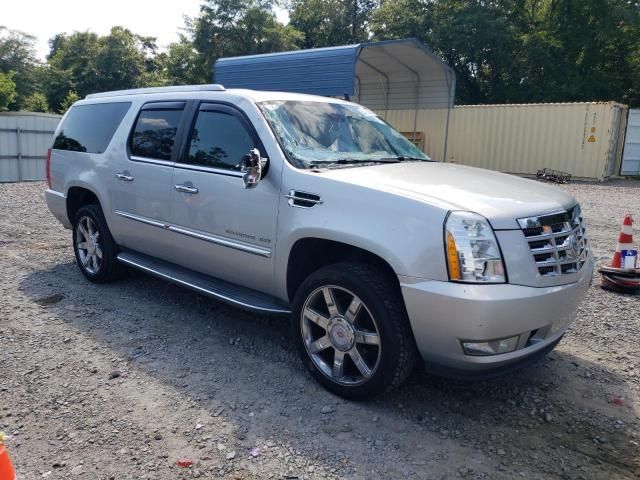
(625, 241)
(6, 469)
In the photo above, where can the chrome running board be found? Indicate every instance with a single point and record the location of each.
(212, 287)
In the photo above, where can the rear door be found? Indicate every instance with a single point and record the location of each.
(141, 191)
(221, 228)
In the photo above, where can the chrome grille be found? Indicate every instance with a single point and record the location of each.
(557, 241)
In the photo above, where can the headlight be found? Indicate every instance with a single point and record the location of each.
(472, 250)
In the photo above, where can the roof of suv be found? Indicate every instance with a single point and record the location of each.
(199, 90)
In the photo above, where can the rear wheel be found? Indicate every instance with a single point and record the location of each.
(94, 247)
(352, 331)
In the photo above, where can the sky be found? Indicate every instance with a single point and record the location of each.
(45, 18)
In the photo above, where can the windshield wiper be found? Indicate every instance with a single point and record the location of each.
(403, 158)
(351, 161)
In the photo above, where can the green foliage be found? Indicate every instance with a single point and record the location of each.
(238, 27)
(182, 64)
(85, 63)
(526, 50)
(69, 100)
(403, 18)
(7, 90)
(332, 22)
(36, 102)
(17, 54)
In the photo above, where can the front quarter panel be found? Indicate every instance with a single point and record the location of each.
(406, 233)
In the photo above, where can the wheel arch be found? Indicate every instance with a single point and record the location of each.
(309, 254)
(77, 197)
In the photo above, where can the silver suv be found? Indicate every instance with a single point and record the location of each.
(316, 208)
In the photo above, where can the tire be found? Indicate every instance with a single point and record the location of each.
(352, 332)
(105, 268)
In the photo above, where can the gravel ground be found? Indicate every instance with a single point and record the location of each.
(119, 381)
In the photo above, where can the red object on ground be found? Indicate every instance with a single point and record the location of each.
(617, 401)
(6, 469)
(181, 462)
(625, 240)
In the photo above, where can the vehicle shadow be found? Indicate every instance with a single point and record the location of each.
(236, 363)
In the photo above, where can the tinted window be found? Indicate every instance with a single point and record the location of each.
(155, 133)
(219, 140)
(89, 128)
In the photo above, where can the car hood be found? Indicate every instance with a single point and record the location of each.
(499, 197)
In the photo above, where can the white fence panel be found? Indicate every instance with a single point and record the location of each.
(24, 140)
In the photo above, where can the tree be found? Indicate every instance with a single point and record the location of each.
(7, 90)
(86, 62)
(69, 100)
(238, 27)
(36, 102)
(73, 60)
(598, 42)
(403, 18)
(125, 60)
(332, 22)
(17, 55)
(526, 50)
(182, 64)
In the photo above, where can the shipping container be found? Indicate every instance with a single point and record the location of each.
(24, 140)
(631, 155)
(582, 139)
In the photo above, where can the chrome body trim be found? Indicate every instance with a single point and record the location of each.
(262, 252)
(559, 216)
(124, 176)
(186, 188)
(138, 218)
(217, 171)
(165, 163)
(294, 195)
(200, 289)
(566, 246)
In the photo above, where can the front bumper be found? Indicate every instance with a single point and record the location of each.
(443, 314)
(57, 203)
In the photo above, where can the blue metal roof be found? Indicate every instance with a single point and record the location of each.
(389, 74)
(320, 71)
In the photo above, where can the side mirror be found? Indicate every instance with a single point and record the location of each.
(252, 165)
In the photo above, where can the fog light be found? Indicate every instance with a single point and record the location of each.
(494, 347)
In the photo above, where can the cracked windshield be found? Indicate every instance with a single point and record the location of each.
(327, 135)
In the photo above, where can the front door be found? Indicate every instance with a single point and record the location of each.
(219, 227)
(141, 179)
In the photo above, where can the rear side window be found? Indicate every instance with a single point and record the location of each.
(155, 130)
(89, 128)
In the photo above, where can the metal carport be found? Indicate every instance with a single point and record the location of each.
(395, 78)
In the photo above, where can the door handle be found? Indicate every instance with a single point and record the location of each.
(124, 176)
(186, 188)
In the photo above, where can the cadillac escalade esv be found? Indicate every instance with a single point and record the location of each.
(316, 208)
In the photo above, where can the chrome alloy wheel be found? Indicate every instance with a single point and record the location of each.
(340, 335)
(89, 245)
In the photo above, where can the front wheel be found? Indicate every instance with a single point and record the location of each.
(351, 329)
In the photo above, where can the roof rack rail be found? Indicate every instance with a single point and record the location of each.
(212, 87)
